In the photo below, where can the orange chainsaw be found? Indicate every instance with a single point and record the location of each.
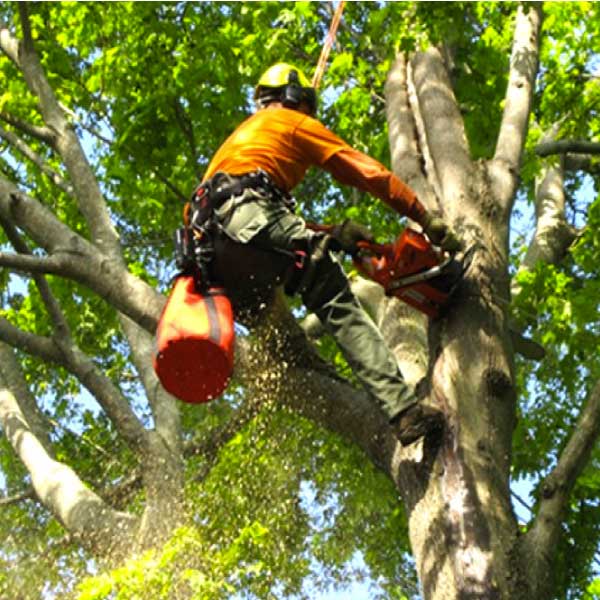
(413, 270)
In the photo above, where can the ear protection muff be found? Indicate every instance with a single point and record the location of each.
(292, 93)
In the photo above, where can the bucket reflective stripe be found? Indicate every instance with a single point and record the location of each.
(194, 343)
(213, 319)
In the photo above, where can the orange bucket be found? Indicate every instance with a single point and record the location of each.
(194, 342)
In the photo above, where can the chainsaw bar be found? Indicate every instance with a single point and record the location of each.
(419, 277)
(452, 266)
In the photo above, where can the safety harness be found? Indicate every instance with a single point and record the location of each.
(194, 242)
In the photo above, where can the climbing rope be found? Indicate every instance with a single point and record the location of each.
(335, 21)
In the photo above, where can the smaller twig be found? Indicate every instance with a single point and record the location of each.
(75, 117)
(79, 437)
(178, 193)
(27, 494)
(521, 501)
(29, 264)
(186, 126)
(44, 134)
(36, 159)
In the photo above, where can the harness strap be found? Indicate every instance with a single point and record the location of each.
(223, 186)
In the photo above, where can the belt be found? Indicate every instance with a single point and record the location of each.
(223, 186)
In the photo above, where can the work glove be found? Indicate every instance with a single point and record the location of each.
(440, 233)
(346, 236)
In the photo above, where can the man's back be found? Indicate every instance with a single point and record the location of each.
(281, 141)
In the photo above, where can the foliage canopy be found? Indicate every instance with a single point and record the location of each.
(152, 89)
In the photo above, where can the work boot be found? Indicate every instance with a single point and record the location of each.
(417, 421)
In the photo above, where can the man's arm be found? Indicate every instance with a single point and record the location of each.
(320, 146)
(350, 167)
(354, 168)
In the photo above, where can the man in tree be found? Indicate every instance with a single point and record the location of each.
(244, 200)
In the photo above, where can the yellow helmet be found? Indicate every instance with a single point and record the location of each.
(286, 84)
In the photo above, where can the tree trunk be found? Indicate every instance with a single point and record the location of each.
(462, 528)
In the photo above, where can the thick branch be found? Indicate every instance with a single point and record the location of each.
(25, 26)
(567, 146)
(74, 257)
(406, 161)
(167, 418)
(107, 394)
(12, 375)
(81, 511)
(557, 488)
(28, 494)
(89, 196)
(504, 168)
(444, 127)
(553, 234)
(434, 189)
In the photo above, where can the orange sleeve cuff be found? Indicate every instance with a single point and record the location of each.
(350, 167)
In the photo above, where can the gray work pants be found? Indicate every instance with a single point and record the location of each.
(257, 221)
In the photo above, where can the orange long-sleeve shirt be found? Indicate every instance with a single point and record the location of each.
(285, 143)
